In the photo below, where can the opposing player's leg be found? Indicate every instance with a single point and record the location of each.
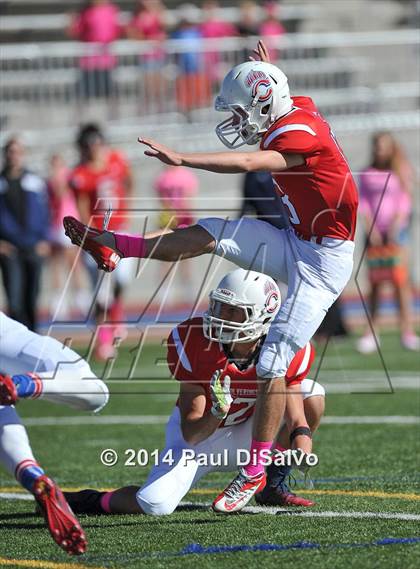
(17, 457)
(41, 367)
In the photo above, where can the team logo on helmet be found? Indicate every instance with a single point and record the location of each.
(226, 292)
(272, 302)
(261, 85)
(263, 89)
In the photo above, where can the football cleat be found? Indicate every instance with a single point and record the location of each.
(8, 391)
(239, 492)
(86, 237)
(62, 523)
(281, 496)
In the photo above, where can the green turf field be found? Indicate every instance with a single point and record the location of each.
(366, 484)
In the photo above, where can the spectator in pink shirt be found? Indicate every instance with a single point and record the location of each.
(96, 23)
(177, 187)
(271, 28)
(213, 27)
(148, 24)
(386, 205)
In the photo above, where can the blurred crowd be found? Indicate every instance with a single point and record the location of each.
(32, 235)
(99, 23)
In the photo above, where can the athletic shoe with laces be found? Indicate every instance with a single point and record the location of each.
(277, 489)
(63, 526)
(8, 392)
(239, 492)
(107, 258)
(281, 496)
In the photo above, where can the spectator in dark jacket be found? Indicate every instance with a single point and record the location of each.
(24, 223)
(261, 200)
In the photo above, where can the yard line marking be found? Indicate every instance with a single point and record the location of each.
(197, 549)
(96, 420)
(351, 380)
(364, 493)
(162, 419)
(371, 420)
(311, 514)
(18, 493)
(274, 511)
(354, 493)
(41, 564)
(16, 496)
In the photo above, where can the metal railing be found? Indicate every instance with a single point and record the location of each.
(56, 84)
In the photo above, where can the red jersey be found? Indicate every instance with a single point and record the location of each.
(320, 195)
(192, 357)
(103, 187)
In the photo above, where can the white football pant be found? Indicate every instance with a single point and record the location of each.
(168, 483)
(66, 376)
(315, 275)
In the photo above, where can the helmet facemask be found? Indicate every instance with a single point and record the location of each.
(245, 327)
(256, 94)
(246, 125)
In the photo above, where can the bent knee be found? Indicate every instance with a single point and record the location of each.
(155, 507)
(311, 388)
(100, 397)
(275, 359)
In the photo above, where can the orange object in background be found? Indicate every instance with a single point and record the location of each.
(193, 90)
(385, 263)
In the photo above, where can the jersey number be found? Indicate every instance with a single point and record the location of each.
(293, 216)
(238, 416)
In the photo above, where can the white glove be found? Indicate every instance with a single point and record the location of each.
(220, 395)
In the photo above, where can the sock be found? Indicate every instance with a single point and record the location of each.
(27, 472)
(255, 465)
(27, 385)
(105, 500)
(130, 245)
(14, 443)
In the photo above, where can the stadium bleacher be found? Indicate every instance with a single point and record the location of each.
(361, 80)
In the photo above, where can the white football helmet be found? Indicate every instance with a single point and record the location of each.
(256, 298)
(257, 94)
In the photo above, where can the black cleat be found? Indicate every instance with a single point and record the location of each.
(85, 502)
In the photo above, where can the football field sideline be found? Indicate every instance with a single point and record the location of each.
(272, 511)
(69, 421)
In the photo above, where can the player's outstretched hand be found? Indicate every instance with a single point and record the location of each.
(261, 53)
(161, 152)
(220, 394)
